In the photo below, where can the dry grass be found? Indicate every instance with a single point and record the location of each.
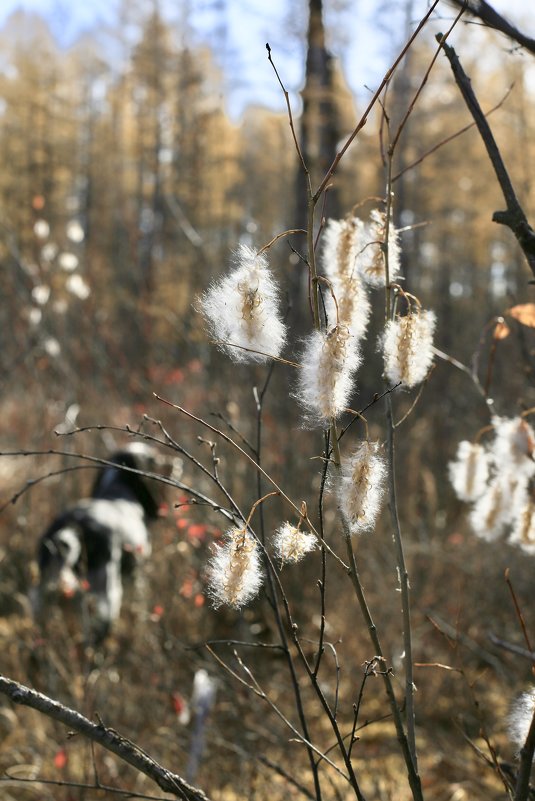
(138, 680)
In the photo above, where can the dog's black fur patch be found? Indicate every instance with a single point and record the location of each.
(89, 548)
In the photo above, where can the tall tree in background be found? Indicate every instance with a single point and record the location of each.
(319, 126)
(401, 89)
(150, 61)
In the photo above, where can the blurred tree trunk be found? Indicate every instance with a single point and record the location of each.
(402, 94)
(151, 65)
(318, 138)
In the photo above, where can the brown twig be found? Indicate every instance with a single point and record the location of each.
(511, 647)
(518, 611)
(96, 462)
(289, 109)
(420, 89)
(253, 686)
(249, 458)
(280, 236)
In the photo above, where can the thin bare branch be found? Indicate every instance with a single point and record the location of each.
(446, 141)
(254, 687)
(491, 18)
(420, 89)
(364, 119)
(118, 791)
(514, 217)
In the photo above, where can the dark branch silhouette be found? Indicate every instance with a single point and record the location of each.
(513, 217)
(483, 11)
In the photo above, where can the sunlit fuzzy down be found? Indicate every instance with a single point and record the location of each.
(342, 242)
(328, 364)
(513, 446)
(469, 472)
(242, 310)
(371, 259)
(234, 572)
(523, 530)
(291, 544)
(520, 716)
(361, 486)
(499, 505)
(408, 347)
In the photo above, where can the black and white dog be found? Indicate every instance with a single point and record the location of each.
(87, 550)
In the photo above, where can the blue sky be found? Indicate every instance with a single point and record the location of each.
(240, 28)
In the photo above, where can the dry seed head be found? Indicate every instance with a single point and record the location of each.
(328, 363)
(342, 242)
(371, 257)
(520, 717)
(408, 347)
(469, 472)
(523, 531)
(499, 505)
(361, 486)
(241, 308)
(513, 446)
(352, 304)
(291, 544)
(234, 572)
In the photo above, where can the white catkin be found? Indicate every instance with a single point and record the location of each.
(291, 544)
(328, 364)
(234, 571)
(242, 308)
(513, 445)
(520, 716)
(496, 480)
(352, 308)
(523, 530)
(499, 505)
(361, 486)
(408, 347)
(344, 242)
(371, 259)
(469, 472)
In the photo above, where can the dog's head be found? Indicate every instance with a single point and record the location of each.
(129, 477)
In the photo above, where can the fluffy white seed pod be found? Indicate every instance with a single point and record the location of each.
(234, 571)
(408, 347)
(513, 446)
(291, 544)
(352, 308)
(523, 530)
(342, 243)
(520, 716)
(498, 507)
(241, 308)
(361, 487)
(328, 363)
(469, 472)
(371, 259)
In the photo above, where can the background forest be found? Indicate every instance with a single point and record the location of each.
(124, 188)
